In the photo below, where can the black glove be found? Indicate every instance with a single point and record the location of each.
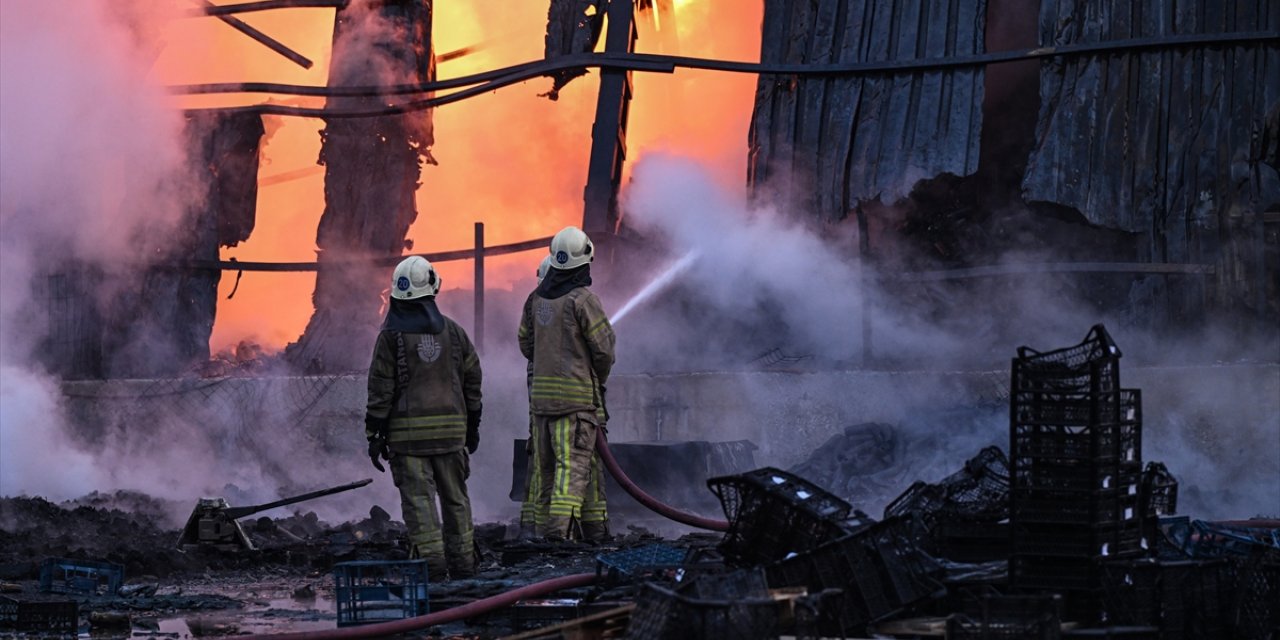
(473, 431)
(376, 429)
(378, 449)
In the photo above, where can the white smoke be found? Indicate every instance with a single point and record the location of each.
(804, 286)
(91, 165)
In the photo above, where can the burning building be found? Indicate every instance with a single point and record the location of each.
(925, 185)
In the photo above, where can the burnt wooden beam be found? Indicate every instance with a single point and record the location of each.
(263, 39)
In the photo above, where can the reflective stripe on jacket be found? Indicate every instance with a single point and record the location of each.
(430, 414)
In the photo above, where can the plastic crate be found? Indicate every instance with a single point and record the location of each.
(1091, 366)
(43, 616)
(979, 491)
(1113, 633)
(1256, 613)
(1070, 482)
(1200, 539)
(369, 591)
(1159, 490)
(995, 617)
(640, 560)
(773, 514)
(1085, 542)
(1052, 573)
(1184, 599)
(735, 605)
(971, 541)
(1055, 408)
(1088, 508)
(878, 570)
(1074, 444)
(88, 577)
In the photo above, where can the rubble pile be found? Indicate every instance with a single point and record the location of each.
(1067, 536)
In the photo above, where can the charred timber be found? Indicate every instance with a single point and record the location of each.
(372, 173)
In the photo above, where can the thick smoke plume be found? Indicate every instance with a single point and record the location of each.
(91, 167)
(768, 292)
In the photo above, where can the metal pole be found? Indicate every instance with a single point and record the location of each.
(479, 284)
(864, 251)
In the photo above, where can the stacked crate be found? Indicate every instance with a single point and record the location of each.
(1075, 468)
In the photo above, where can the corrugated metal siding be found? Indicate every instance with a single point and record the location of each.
(831, 142)
(1160, 143)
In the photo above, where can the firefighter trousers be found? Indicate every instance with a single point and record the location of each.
(442, 536)
(568, 481)
(534, 511)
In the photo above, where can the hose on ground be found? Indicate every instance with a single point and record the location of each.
(652, 503)
(469, 610)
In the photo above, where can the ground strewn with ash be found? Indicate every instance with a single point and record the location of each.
(286, 583)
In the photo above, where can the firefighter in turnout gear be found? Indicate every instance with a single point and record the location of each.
(423, 417)
(533, 513)
(569, 342)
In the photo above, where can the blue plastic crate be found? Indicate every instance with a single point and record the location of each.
(640, 560)
(370, 591)
(89, 577)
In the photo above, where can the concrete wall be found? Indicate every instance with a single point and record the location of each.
(1218, 427)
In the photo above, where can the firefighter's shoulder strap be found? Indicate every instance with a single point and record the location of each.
(401, 399)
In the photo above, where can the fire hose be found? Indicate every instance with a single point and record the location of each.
(502, 600)
(650, 502)
(469, 610)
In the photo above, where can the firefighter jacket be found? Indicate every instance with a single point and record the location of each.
(427, 409)
(570, 342)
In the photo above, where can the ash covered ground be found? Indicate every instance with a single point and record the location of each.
(284, 584)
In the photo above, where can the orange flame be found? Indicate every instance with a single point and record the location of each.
(509, 159)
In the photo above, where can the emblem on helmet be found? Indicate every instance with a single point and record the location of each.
(562, 257)
(544, 312)
(402, 283)
(429, 349)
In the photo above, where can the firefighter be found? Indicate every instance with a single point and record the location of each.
(532, 512)
(567, 337)
(423, 417)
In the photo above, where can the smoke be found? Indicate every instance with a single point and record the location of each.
(769, 292)
(92, 166)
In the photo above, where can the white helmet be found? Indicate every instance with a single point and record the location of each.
(414, 278)
(570, 249)
(542, 268)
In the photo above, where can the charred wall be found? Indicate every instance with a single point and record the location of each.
(1160, 156)
(143, 321)
(1165, 144)
(828, 143)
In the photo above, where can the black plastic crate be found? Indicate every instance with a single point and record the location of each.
(1055, 408)
(1052, 573)
(997, 617)
(773, 514)
(1159, 491)
(1075, 476)
(1184, 599)
(971, 541)
(1084, 508)
(368, 591)
(1256, 614)
(1088, 542)
(1091, 366)
(87, 577)
(42, 615)
(735, 605)
(1074, 444)
(879, 571)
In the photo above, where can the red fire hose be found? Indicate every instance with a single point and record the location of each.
(509, 598)
(469, 610)
(664, 510)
